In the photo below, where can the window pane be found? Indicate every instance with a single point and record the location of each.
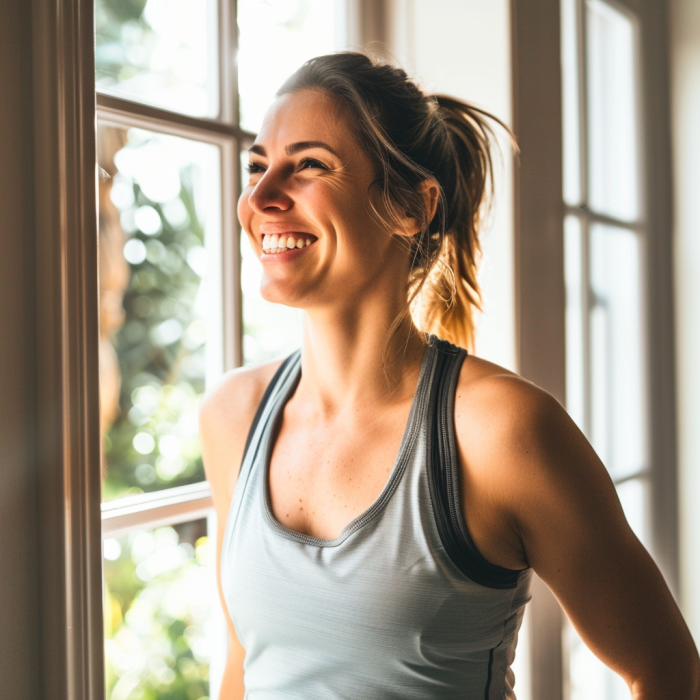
(570, 103)
(612, 94)
(163, 52)
(575, 317)
(633, 495)
(161, 613)
(522, 663)
(616, 345)
(159, 310)
(276, 37)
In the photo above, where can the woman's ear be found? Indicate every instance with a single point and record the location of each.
(430, 192)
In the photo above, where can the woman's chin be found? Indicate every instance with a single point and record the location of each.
(282, 293)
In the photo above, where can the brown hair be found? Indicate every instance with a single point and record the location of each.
(412, 137)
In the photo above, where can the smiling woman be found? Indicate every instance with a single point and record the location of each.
(383, 496)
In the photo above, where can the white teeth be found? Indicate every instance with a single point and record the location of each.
(274, 243)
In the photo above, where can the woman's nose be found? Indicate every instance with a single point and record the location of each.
(269, 194)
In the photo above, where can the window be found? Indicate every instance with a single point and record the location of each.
(605, 238)
(182, 86)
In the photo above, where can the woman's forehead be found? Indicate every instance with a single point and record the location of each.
(306, 115)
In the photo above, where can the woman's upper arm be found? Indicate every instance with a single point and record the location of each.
(547, 482)
(225, 417)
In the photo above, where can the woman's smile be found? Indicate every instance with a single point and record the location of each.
(275, 244)
(285, 247)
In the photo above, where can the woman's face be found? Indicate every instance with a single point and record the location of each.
(306, 209)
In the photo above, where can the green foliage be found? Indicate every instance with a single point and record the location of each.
(159, 584)
(155, 611)
(121, 11)
(153, 442)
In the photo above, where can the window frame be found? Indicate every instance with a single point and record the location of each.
(67, 375)
(541, 298)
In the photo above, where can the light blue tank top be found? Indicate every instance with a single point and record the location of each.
(401, 605)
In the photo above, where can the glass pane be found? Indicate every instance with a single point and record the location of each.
(159, 310)
(160, 612)
(589, 677)
(618, 409)
(570, 102)
(269, 330)
(612, 113)
(575, 317)
(163, 52)
(633, 495)
(522, 662)
(275, 38)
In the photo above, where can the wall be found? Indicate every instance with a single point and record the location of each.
(462, 48)
(19, 592)
(685, 87)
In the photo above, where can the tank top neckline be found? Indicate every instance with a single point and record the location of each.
(418, 406)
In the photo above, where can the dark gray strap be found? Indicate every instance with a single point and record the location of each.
(443, 468)
(263, 402)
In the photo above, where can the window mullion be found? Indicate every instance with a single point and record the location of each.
(231, 257)
(169, 507)
(598, 218)
(228, 62)
(128, 113)
(582, 47)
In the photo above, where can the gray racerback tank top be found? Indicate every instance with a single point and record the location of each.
(400, 605)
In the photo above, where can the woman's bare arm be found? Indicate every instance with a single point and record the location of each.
(535, 492)
(225, 417)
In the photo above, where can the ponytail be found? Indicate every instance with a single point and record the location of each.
(450, 292)
(412, 137)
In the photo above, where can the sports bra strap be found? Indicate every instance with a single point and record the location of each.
(444, 477)
(263, 402)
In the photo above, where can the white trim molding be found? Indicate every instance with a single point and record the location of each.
(148, 510)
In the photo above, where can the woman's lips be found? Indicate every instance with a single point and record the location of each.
(279, 227)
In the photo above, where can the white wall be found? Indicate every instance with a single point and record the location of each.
(462, 48)
(685, 59)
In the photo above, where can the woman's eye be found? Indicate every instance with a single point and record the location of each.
(311, 163)
(254, 168)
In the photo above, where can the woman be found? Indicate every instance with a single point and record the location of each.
(382, 496)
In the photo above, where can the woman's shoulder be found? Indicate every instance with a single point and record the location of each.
(237, 392)
(503, 416)
(226, 413)
(499, 399)
(518, 449)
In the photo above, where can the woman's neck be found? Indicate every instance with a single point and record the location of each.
(349, 357)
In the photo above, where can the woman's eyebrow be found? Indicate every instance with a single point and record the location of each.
(304, 145)
(294, 148)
